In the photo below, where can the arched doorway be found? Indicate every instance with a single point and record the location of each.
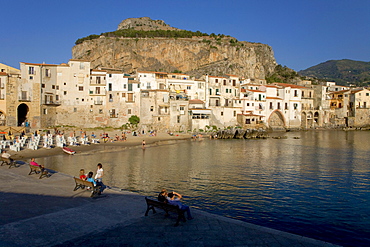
(22, 114)
(276, 120)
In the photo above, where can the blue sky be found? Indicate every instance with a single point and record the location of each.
(302, 33)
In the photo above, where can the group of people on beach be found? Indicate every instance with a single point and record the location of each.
(97, 180)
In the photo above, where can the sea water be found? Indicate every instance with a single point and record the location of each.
(315, 183)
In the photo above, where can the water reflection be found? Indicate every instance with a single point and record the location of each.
(316, 186)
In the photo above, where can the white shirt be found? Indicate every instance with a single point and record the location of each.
(99, 173)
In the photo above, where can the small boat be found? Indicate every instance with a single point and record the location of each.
(68, 150)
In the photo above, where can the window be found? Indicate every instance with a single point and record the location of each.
(216, 80)
(65, 92)
(110, 75)
(124, 86)
(271, 106)
(100, 111)
(98, 80)
(295, 93)
(130, 97)
(45, 111)
(123, 95)
(57, 87)
(295, 106)
(247, 121)
(159, 118)
(43, 85)
(31, 70)
(52, 86)
(80, 88)
(178, 119)
(47, 72)
(234, 83)
(110, 87)
(234, 113)
(247, 104)
(188, 87)
(56, 97)
(367, 94)
(31, 77)
(129, 111)
(82, 65)
(224, 82)
(222, 113)
(151, 108)
(286, 106)
(278, 105)
(182, 108)
(97, 90)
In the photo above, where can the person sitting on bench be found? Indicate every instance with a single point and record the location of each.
(6, 155)
(174, 198)
(33, 163)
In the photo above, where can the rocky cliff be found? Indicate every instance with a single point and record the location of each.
(195, 55)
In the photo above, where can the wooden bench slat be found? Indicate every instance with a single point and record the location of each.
(8, 162)
(82, 184)
(151, 204)
(38, 170)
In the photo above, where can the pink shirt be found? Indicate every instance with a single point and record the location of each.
(33, 163)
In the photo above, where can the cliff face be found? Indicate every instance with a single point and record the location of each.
(196, 56)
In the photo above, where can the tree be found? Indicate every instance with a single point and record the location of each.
(134, 120)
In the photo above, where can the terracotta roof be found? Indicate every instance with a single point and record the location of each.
(217, 76)
(256, 91)
(232, 75)
(3, 73)
(288, 85)
(341, 91)
(273, 98)
(40, 64)
(196, 101)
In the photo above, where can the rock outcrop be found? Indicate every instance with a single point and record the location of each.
(195, 56)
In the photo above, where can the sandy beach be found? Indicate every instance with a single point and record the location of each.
(26, 154)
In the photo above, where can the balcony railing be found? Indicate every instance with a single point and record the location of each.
(24, 99)
(98, 102)
(49, 102)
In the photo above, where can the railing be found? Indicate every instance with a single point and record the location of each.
(98, 102)
(24, 99)
(49, 102)
(113, 115)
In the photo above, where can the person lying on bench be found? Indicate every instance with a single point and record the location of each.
(174, 198)
(162, 196)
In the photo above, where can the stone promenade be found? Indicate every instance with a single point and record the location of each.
(47, 212)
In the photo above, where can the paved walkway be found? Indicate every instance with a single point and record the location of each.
(47, 212)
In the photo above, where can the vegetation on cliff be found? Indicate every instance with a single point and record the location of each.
(282, 74)
(343, 72)
(131, 33)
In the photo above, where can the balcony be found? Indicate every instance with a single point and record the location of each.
(98, 102)
(49, 102)
(113, 115)
(24, 99)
